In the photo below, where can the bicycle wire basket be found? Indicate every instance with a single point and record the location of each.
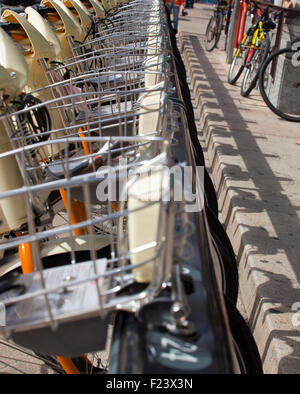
(96, 194)
(123, 36)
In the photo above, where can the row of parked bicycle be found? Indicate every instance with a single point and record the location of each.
(258, 60)
(97, 227)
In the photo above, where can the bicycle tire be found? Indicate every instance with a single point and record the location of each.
(252, 72)
(136, 345)
(245, 346)
(220, 27)
(227, 259)
(211, 199)
(210, 193)
(263, 76)
(236, 69)
(128, 352)
(227, 24)
(226, 28)
(214, 27)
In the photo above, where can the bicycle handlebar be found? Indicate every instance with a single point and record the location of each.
(292, 12)
(264, 11)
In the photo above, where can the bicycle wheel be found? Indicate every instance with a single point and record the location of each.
(211, 199)
(226, 28)
(228, 264)
(19, 359)
(279, 83)
(237, 64)
(258, 56)
(213, 32)
(245, 346)
(210, 193)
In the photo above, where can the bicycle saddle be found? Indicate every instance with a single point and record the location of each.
(269, 24)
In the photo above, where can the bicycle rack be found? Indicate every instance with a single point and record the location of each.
(123, 127)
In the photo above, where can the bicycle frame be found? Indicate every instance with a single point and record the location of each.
(258, 37)
(257, 34)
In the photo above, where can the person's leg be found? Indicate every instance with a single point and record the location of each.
(183, 12)
(175, 17)
(169, 9)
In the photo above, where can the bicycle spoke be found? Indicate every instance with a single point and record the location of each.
(215, 25)
(253, 66)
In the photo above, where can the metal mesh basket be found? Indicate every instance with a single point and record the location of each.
(90, 209)
(94, 228)
(117, 112)
(121, 44)
(111, 244)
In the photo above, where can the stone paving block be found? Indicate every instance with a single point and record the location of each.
(253, 159)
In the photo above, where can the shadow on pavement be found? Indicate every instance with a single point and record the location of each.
(266, 196)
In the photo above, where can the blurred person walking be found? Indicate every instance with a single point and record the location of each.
(173, 7)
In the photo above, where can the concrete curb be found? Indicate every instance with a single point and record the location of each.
(267, 295)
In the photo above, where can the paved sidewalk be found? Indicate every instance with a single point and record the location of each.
(254, 160)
